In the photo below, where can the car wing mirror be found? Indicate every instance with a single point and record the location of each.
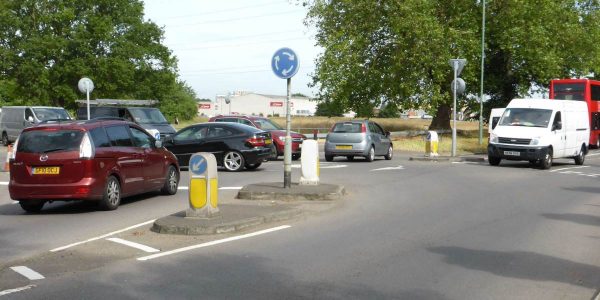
(387, 134)
(158, 144)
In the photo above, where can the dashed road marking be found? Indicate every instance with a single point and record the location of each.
(570, 168)
(212, 243)
(134, 245)
(102, 236)
(27, 272)
(231, 188)
(389, 168)
(20, 289)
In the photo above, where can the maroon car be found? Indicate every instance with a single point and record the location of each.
(277, 133)
(98, 160)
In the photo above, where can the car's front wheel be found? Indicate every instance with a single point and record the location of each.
(390, 153)
(171, 181)
(494, 161)
(32, 206)
(328, 157)
(370, 155)
(112, 194)
(296, 156)
(233, 161)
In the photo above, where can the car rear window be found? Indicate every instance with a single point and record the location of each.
(44, 141)
(347, 127)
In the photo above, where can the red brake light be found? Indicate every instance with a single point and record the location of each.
(256, 142)
(363, 128)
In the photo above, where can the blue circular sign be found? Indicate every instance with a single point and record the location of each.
(285, 63)
(197, 165)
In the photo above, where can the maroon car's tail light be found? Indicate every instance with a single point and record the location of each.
(82, 191)
(256, 142)
(86, 149)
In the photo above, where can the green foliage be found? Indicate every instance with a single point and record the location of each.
(179, 103)
(389, 110)
(48, 45)
(299, 95)
(398, 51)
(329, 109)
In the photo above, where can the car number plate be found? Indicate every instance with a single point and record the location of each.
(344, 147)
(46, 170)
(512, 153)
(268, 141)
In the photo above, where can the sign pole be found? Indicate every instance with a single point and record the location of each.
(87, 93)
(454, 111)
(287, 150)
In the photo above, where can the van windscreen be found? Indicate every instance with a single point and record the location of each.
(147, 115)
(528, 117)
(51, 113)
(44, 141)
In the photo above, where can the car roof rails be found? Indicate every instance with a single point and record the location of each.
(97, 119)
(55, 121)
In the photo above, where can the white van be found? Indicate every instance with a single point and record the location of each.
(495, 115)
(539, 130)
(16, 118)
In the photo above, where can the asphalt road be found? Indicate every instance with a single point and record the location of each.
(406, 230)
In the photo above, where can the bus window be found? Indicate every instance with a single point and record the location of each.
(569, 91)
(595, 92)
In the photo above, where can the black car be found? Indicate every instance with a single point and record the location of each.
(234, 145)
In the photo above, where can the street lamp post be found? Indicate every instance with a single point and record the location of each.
(481, 80)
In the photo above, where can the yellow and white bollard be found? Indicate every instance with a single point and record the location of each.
(431, 144)
(204, 186)
(309, 161)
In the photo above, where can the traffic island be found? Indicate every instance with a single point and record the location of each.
(232, 218)
(297, 192)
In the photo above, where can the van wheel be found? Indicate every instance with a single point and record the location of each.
(5, 141)
(171, 181)
(546, 162)
(494, 161)
(32, 206)
(350, 157)
(112, 194)
(328, 157)
(580, 158)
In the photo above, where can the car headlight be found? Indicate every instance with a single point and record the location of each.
(493, 138)
(535, 141)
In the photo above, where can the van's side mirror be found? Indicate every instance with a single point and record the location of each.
(30, 119)
(557, 126)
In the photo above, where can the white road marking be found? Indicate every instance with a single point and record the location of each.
(27, 272)
(389, 168)
(323, 167)
(231, 188)
(3, 182)
(20, 289)
(593, 154)
(212, 243)
(15, 202)
(570, 168)
(102, 236)
(182, 188)
(134, 245)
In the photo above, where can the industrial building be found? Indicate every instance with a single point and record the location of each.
(249, 103)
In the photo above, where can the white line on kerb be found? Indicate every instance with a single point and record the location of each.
(102, 236)
(212, 243)
(3, 182)
(6, 292)
(27, 272)
(231, 188)
(134, 245)
(570, 168)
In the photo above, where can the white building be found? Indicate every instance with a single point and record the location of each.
(248, 103)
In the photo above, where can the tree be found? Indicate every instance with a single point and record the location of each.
(48, 45)
(329, 109)
(389, 110)
(398, 51)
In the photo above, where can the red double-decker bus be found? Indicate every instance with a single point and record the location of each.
(583, 90)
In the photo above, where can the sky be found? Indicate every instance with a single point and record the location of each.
(227, 45)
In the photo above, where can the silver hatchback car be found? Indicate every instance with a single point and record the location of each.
(358, 138)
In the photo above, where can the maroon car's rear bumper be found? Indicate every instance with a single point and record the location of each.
(85, 189)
